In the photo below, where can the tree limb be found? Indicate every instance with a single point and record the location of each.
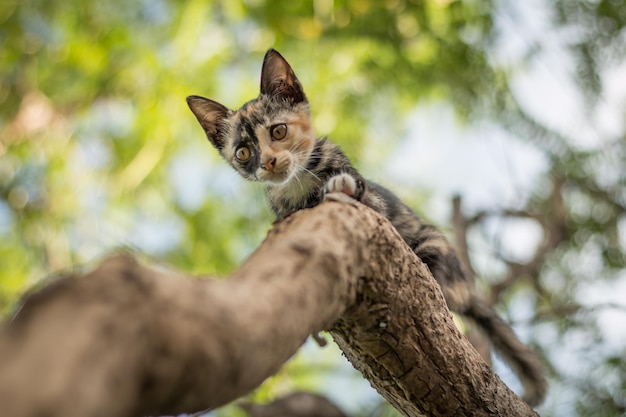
(127, 340)
(475, 335)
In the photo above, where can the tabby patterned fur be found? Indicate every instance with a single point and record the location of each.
(271, 140)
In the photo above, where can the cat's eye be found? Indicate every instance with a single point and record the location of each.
(242, 154)
(278, 132)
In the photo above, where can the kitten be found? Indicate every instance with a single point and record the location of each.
(270, 140)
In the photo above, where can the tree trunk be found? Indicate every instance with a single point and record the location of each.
(127, 340)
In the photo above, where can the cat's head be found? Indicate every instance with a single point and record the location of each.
(268, 139)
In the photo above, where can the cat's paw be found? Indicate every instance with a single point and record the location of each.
(345, 184)
(342, 183)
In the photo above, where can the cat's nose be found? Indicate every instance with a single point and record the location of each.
(269, 164)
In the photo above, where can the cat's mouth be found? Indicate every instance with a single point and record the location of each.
(275, 177)
(278, 173)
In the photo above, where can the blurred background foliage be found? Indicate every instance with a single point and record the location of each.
(98, 151)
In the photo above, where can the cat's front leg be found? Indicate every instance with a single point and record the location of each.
(346, 184)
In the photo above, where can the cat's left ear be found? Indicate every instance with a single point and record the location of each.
(212, 116)
(279, 80)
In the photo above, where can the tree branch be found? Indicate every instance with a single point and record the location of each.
(127, 340)
(476, 337)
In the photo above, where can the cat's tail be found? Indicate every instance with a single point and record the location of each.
(523, 361)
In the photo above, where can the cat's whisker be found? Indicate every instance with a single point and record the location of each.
(308, 171)
(298, 180)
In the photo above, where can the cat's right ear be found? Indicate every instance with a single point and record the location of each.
(211, 115)
(279, 80)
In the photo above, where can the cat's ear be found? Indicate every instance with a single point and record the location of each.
(279, 80)
(211, 116)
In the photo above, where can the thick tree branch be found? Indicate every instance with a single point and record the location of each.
(127, 340)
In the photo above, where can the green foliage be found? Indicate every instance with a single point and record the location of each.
(99, 151)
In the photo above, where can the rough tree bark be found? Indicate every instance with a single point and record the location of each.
(128, 340)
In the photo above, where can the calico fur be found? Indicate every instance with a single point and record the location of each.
(299, 169)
